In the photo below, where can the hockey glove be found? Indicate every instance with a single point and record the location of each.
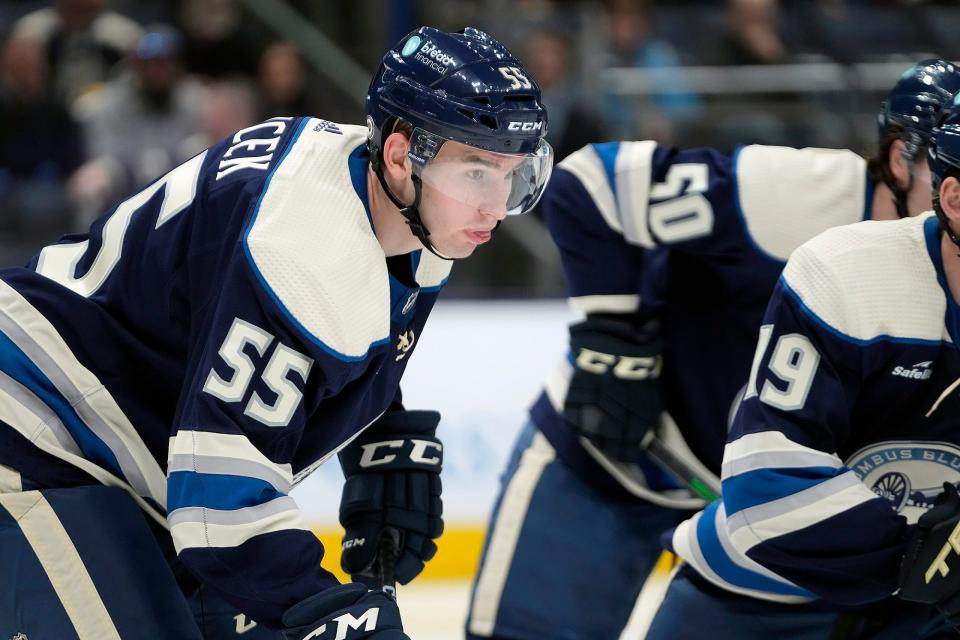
(930, 570)
(614, 395)
(345, 611)
(393, 484)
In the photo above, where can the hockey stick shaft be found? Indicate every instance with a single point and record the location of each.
(665, 458)
(387, 551)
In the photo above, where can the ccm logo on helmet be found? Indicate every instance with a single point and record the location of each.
(525, 126)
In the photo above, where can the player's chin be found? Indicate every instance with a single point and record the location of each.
(457, 250)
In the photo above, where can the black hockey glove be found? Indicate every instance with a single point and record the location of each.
(393, 483)
(930, 570)
(614, 395)
(346, 611)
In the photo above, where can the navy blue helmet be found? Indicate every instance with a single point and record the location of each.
(914, 102)
(464, 88)
(943, 153)
(909, 112)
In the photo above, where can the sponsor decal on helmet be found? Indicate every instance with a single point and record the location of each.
(412, 45)
(434, 57)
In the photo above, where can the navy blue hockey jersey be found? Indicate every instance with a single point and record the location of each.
(212, 340)
(697, 238)
(848, 428)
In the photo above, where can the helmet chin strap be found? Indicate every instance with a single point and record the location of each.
(945, 224)
(411, 213)
(900, 195)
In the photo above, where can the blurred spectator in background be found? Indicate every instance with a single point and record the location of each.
(282, 82)
(144, 123)
(754, 36)
(230, 106)
(572, 123)
(40, 145)
(83, 42)
(633, 43)
(219, 43)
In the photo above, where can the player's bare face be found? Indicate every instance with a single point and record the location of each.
(465, 194)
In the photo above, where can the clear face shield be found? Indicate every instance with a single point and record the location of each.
(495, 183)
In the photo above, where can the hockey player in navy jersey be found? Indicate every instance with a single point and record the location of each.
(841, 468)
(672, 256)
(167, 378)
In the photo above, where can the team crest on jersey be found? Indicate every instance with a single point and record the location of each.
(908, 474)
(404, 343)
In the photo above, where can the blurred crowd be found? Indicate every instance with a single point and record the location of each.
(98, 98)
(95, 104)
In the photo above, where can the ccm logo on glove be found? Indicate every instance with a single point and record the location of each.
(624, 367)
(346, 622)
(378, 453)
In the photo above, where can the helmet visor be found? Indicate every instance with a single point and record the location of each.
(493, 182)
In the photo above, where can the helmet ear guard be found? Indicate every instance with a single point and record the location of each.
(462, 87)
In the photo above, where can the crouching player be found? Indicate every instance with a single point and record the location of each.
(841, 468)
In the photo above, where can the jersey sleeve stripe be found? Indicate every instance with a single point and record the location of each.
(187, 489)
(752, 526)
(763, 486)
(687, 546)
(245, 515)
(230, 467)
(605, 303)
(191, 534)
(32, 417)
(772, 449)
(715, 545)
(40, 391)
(223, 447)
(39, 342)
(780, 460)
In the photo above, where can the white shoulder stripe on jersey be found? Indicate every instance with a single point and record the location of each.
(633, 167)
(585, 164)
(605, 303)
(855, 278)
(314, 248)
(771, 449)
(62, 564)
(827, 188)
(39, 340)
(219, 529)
(220, 451)
(750, 527)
